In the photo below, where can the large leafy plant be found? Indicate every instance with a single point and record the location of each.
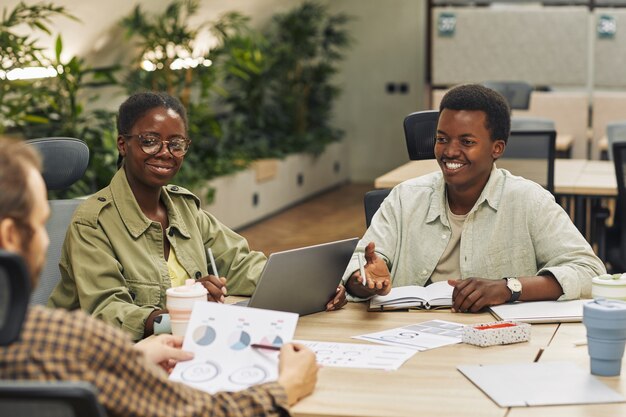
(19, 98)
(51, 106)
(307, 44)
(254, 94)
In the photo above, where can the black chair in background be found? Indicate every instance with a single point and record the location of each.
(517, 93)
(34, 398)
(616, 235)
(372, 201)
(14, 293)
(420, 129)
(615, 132)
(65, 161)
(531, 154)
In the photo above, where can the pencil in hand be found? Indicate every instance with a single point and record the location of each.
(362, 269)
(209, 254)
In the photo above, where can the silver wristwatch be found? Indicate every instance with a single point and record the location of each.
(515, 286)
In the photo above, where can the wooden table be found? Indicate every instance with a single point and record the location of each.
(563, 144)
(562, 348)
(427, 384)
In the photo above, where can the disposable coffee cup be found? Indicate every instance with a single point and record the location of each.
(605, 321)
(180, 301)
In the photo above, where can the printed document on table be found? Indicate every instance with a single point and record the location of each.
(220, 336)
(421, 336)
(353, 355)
(541, 383)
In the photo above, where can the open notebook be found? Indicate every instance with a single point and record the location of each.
(438, 294)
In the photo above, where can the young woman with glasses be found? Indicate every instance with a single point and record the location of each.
(134, 239)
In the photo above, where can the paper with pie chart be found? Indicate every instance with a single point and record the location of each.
(220, 336)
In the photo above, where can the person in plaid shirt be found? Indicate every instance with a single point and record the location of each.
(131, 379)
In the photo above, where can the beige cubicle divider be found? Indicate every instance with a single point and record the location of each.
(570, 112)
(609, 54)
(568, 109)
(608, 106)
(539, 45)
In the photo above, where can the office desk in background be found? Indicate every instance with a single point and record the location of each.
(577, 182)
(429, 384)
(571, 176)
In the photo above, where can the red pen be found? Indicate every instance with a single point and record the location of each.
(268, 347)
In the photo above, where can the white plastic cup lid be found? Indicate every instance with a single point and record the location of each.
(190, 289)
(611, 280)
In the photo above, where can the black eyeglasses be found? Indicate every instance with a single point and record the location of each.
(151, 143)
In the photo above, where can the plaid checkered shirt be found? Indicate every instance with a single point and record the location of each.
(57, 345)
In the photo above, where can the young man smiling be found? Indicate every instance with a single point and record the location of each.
(494, 236)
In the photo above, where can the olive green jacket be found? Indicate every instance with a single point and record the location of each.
(112, 262)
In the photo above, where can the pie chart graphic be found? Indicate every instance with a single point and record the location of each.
(204, 335)
(239, 340)
(276, 341)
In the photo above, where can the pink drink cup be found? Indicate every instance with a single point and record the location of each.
(180, 301)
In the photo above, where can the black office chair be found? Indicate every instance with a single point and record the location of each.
(372, 201)
(420, 129)
(34, 398)
(14, 293)
(615, 132)
(65, 161)
(531, 154)
(517, 93)
(616, 235)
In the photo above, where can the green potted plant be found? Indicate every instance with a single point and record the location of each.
(47, 107)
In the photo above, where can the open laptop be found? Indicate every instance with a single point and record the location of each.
(302, 280)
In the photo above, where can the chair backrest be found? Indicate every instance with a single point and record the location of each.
(615, 132)
(372, 201)
(619, 161)
(420, 129)
(517, 93)
(531, 123)
(14, 293)
(49, 399)
(61, 212)
(65, 161)
(530, 154)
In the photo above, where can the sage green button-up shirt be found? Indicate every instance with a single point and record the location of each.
(112, 262)
(515, 229)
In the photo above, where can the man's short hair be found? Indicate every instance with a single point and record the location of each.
(478, 97)
(16, 157)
